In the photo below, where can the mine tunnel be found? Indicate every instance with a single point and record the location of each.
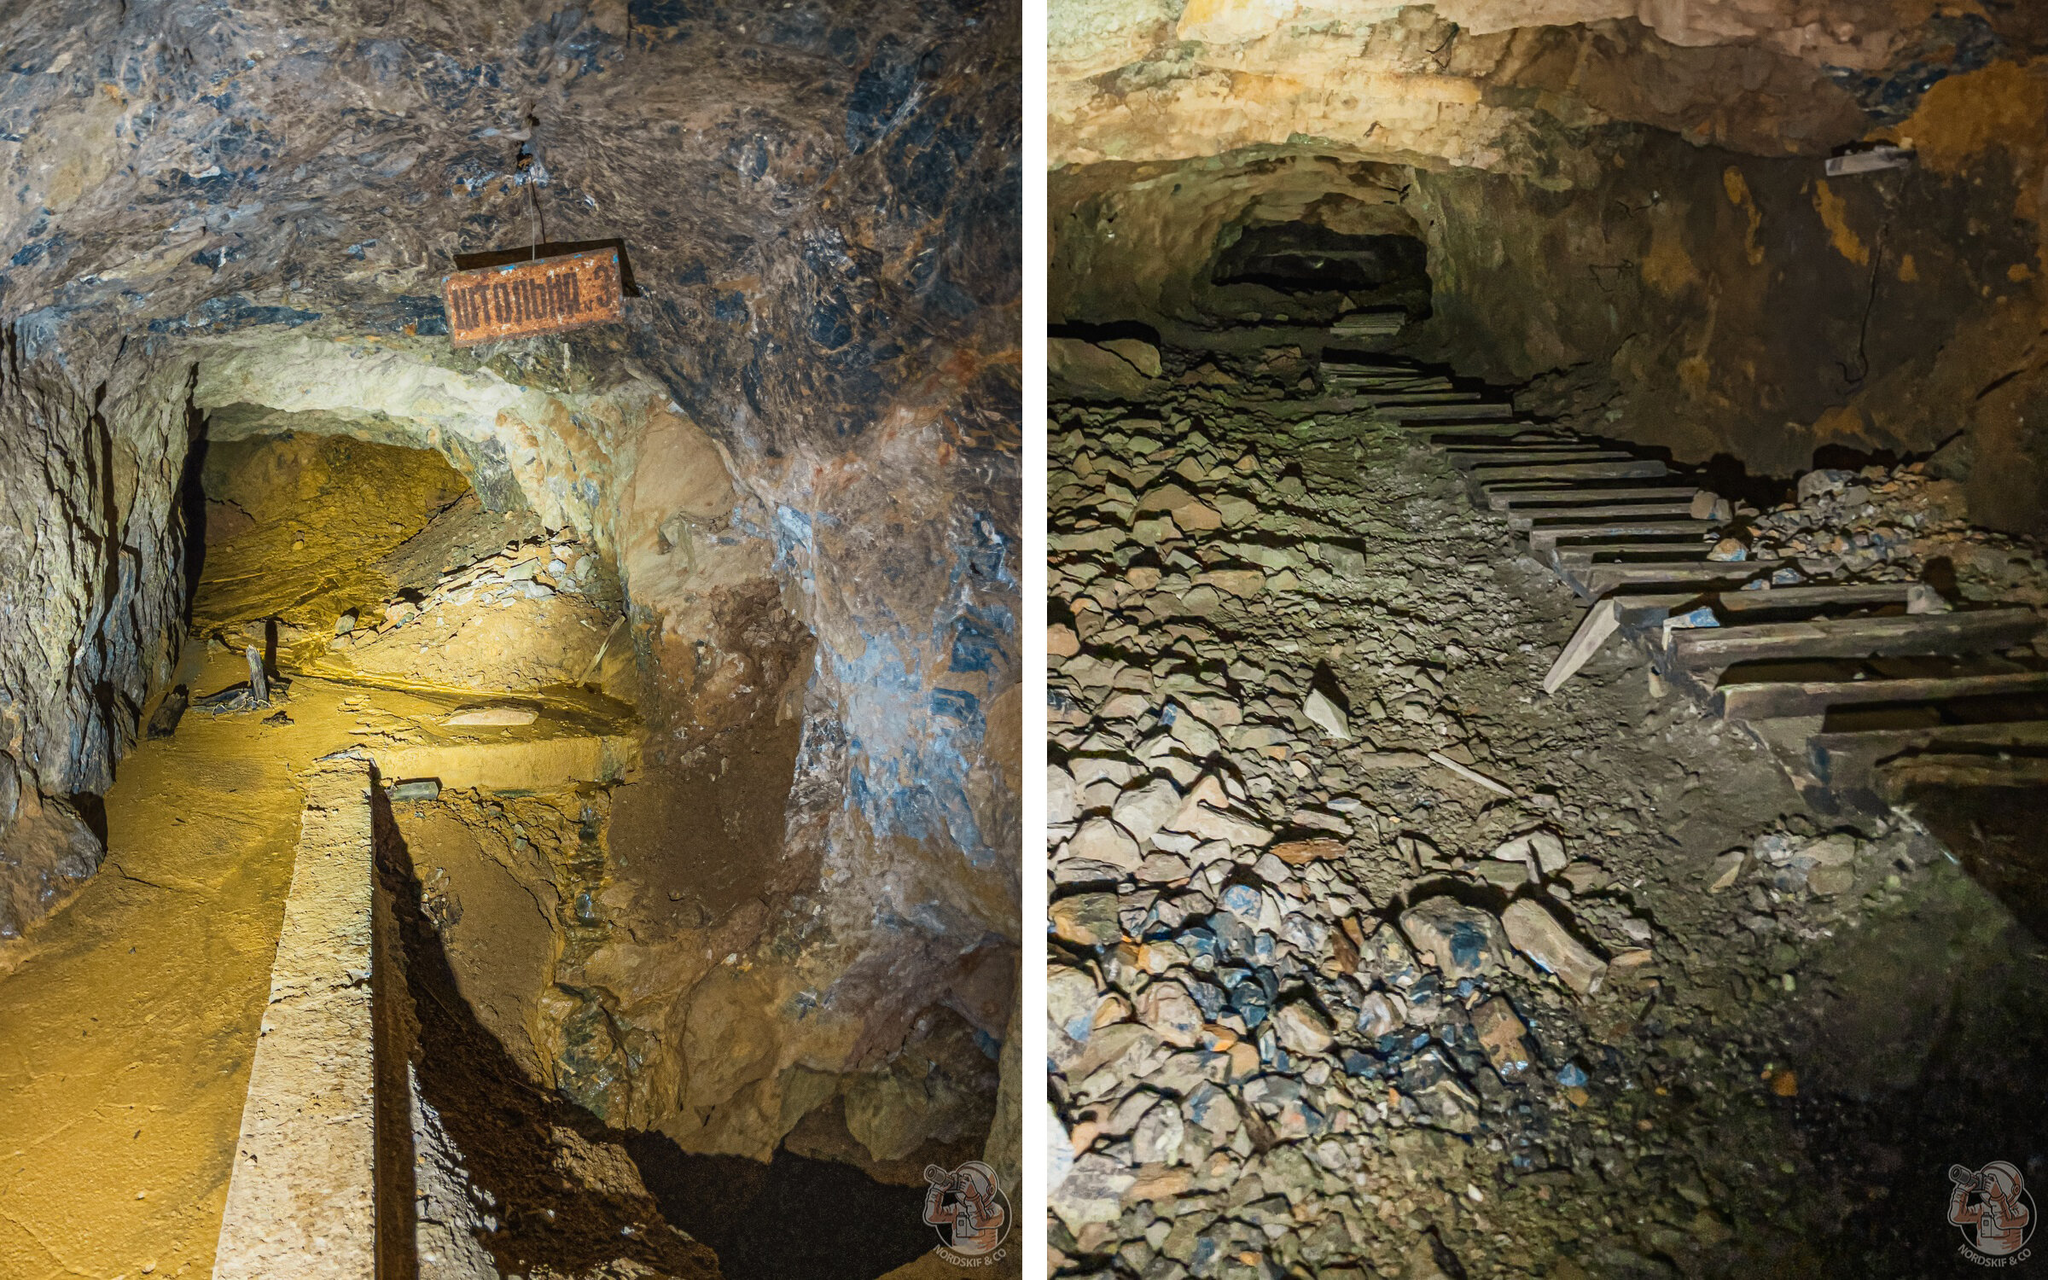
(1548, 686)
(509, 713)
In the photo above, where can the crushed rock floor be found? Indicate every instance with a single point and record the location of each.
(1777, 1089)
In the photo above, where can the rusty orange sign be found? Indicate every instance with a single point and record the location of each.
(525, 299)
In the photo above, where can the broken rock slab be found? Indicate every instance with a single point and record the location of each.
(1726, 870)
(1540, 936)
(1465, 942)
(1205, 813)
(1072, 1001)
(1326, 715)
(1501, 1035)
(1092, 1191)
(1542, 851)
(1301, 1029)
(1086, 919)
(1088, 371)
(1146, 807)
(1171, 1013)
(1101, 840)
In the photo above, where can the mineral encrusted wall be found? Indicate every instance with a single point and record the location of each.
(91, 549)
(1725, 303)
(800, 447)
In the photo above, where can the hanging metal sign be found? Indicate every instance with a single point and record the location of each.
(527, 299)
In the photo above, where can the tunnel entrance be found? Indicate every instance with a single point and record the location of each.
(1304, 257)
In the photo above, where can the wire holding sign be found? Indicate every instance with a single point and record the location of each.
(527, 299)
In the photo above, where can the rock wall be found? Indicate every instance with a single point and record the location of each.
(91, 555)
(800, 448)
(1626, 205)
(1141, 241)
(1728, 304)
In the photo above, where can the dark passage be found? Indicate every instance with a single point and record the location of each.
(1302, 257)
(541, 1160)
(791, 1217)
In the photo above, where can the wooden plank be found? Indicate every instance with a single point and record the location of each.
(1380, 382)
(1588, 553)
(1475, 432)
(1533, 498)
(1960, 771)
(301, 1197)
(1631, 469)
(1526, 518)
(1599, 579)
(524, 299)
(1369, 325)
(1491, 438)
(1445, 412)
(1979, 631)
(1815, 596)
(1837, 759)
(1456, 446)
(1775, 699)
(1381, 375)
(1641, 606)
(1523, 456)
(1606, 616)
(1405, 395)
(1546, 537)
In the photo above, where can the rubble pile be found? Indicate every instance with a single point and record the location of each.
(1356, 961)
(1882, 524)
(539, 613)
(529, 569)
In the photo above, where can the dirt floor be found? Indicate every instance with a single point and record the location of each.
(128, 1019)
(1793, 1039)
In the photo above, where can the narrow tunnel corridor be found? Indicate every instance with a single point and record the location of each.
(472, 654)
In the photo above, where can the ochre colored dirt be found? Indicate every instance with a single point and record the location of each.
(296, 526)
(128, 1019)
(127, 1024)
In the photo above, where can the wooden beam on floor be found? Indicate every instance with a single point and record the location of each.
(1523, 519)
(1846, 758)
(302, 1192)
(1523, 456)
(1896, 636)
(1547, 537)
(1961, 771)
(1477, 412)
(1533, 498)
(1625, 469)
(1778, 699)
(1814, 596)
(1600, 579)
